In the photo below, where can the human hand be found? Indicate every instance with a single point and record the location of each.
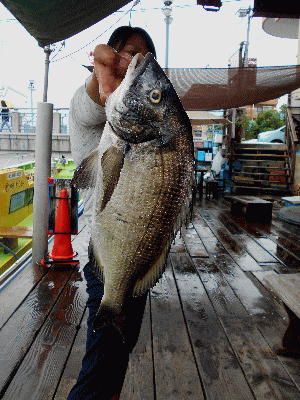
(110, 69)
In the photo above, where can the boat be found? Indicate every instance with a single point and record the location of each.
(16, 212)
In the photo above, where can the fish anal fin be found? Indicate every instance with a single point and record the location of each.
(85, 176)
(111, 162)
(153, 275)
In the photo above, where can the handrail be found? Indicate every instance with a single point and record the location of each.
(9, 250)
(290, 119)
(291, 139)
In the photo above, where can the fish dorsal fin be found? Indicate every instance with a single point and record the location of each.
(85, 176)
(111, 162)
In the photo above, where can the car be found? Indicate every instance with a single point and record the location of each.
(276, 136)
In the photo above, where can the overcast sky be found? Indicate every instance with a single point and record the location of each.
(198, 38)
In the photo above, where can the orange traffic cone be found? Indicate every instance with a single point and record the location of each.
(62, 249)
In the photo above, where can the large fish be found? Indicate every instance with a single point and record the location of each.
(142, 171)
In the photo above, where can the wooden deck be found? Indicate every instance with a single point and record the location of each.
(210, 328)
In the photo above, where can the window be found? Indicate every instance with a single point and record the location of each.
(21, 199)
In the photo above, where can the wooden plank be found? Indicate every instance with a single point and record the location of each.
(287, 287)
(220, 373)
(139, 379)
(193, 243)
(252, 246)
(73, 366)
(178, 245)
(176, 375)
(19, 332)
(249, 200)
(13, 292)
(284, 250)
(16, 231)
(260, 365)
(40, 370)
(291, 232)
(258, 252)
(267, 377)
(230, 224)
(254, 299)
(240, 255)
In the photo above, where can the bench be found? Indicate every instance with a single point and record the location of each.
(11, 234)
(287, 288)
(253, 208)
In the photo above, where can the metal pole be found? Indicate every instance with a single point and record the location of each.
(47, 50)
(167, 42)
(31, 105)
(43, 149)
(248, 36)
(241, 54)
(167, 10)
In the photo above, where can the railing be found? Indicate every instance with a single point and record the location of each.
(23, 120)
(291, 139)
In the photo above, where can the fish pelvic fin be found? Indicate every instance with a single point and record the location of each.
(111, 162)
(85, 176)
(106, 316)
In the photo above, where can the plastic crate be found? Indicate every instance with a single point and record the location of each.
(201, 156)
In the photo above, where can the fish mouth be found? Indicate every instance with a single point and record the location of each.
(142, 66)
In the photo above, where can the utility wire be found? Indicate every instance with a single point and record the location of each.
(76, 51)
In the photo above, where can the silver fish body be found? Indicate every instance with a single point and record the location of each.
(143, 177)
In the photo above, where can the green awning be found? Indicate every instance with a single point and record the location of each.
(52, 21)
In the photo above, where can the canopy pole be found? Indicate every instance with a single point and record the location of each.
(48, 51)
(43, 150)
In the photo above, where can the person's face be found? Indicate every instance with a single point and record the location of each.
(135, 44)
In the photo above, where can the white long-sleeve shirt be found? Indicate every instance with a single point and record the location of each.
(86, 124)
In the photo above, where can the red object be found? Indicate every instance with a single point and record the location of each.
(62, 249)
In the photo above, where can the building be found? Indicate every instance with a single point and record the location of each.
(254, 109)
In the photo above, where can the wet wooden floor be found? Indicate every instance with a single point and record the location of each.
(210, 328)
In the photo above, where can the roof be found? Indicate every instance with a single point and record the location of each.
(206, 118)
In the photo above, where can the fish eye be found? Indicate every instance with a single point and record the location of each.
(155, 96)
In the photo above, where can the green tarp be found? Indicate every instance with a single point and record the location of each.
(52, 21)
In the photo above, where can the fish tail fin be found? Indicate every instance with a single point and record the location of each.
(108, 317)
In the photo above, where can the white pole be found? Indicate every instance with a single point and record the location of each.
(233, 123)
(167, 10)
(43, 149)
(47, 51)
(167, 42)
(246, 61)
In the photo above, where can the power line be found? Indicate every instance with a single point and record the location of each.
(76, 51)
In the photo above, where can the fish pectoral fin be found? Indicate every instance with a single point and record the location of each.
(111, 162)
(85, 176)
(107, 317)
